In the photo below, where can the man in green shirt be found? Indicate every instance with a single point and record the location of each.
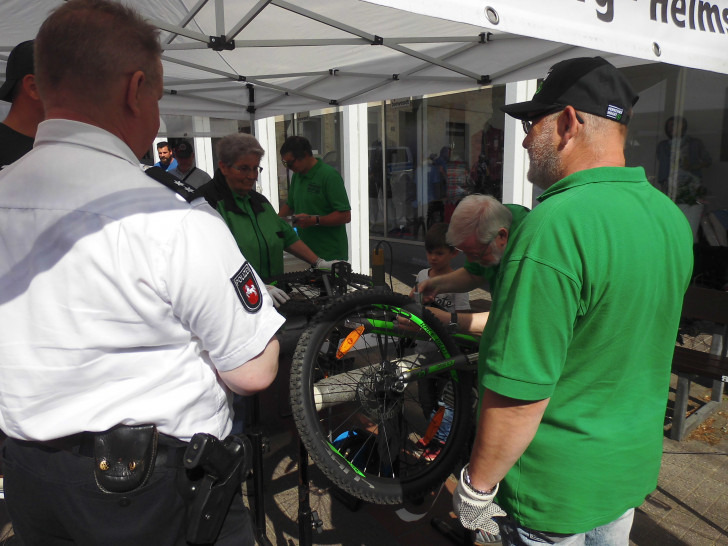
(575, 359)
(317, 199)
(480, 227)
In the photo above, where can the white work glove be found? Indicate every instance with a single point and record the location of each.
(476, 510)
(278, 295)
(325, 264)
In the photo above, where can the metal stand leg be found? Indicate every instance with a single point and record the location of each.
(308, 519)
(256, 438)
(258, 498)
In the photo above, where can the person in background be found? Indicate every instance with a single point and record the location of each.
(186, 170)
(260, 233)
(166, 156)
(17, 131)
(129, 314)
(317, 200)
(578, 324)
(439, 256)
(681, 160)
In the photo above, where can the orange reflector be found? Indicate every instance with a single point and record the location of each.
(349, 342)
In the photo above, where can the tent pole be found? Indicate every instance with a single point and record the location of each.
(251, 106)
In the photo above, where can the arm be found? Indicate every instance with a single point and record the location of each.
(256, 374)
(506, 427)
(336, 218)
(460, 280)
(301, 251)
(468, 323)
(285, 210)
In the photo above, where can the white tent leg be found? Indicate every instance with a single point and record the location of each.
(356, 179)
(516, 187)
(265, 132)
(203, 145)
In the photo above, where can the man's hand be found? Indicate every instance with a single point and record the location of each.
(278, 295)
(476, 510)
(304, 220)
(428, 290)
(325, 264)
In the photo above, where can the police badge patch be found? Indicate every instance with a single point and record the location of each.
(247, 288)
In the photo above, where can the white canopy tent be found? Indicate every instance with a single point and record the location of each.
(300, 55)
(252, 59)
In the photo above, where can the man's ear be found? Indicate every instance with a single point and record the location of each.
(30, 87)
(567, 124)
(134, 90)
(501, 239)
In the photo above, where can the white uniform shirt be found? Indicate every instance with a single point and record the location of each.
(116, 297)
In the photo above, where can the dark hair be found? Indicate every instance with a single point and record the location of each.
(163, 144)
(84, 46)
(436, 237)
(299, 146)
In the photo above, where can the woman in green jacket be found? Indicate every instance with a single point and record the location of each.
(260, 233)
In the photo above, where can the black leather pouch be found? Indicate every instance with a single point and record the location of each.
(124, 457)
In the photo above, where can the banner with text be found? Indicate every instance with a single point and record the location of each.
(692, 33)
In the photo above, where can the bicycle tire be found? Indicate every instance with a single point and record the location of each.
(308, 292)
(366, 441)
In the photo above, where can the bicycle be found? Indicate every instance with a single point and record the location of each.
(361, 400)
(312, 289)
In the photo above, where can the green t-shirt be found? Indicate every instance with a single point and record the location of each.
(490, 273)
(320, 192)
(261, 237)
(586, 313)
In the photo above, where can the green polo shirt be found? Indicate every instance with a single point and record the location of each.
(261, 237)
(320, 192)
(586, 313)
(490, 273)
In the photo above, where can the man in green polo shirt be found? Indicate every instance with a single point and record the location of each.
(480, 227)
(317, 199)
(575, 359)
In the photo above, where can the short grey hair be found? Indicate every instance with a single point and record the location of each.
(483, 215)
(598, 128)
(232, 147)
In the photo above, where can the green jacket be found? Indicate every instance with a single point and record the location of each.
(261, 234)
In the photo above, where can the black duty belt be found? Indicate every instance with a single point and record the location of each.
(170, 450)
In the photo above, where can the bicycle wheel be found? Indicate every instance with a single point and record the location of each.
(377, 438)
(312, 289)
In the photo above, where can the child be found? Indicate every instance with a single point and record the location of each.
(435, 397)
(439, 256)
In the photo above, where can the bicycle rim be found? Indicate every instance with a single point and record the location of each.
(380, 442)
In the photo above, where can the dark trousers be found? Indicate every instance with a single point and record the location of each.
(53, 499)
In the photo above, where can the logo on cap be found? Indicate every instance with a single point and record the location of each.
(614, 112)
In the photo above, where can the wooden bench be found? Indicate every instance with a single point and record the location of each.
(711, 306)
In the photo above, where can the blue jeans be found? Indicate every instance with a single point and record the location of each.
(615, 533)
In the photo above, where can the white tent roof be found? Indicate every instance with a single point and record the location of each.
(300, 55)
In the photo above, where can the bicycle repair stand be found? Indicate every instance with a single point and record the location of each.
(256, 478)
(308, 519)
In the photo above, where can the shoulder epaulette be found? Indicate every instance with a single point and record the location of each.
(182, 188)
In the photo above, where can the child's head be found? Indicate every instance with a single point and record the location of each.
(439, 253)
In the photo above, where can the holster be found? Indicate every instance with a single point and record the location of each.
(124, 457)
(214, 473)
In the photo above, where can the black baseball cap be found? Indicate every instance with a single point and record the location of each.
(20, 64)
(184, 150)
(589, 84)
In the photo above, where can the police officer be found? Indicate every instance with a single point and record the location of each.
(128, 312)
